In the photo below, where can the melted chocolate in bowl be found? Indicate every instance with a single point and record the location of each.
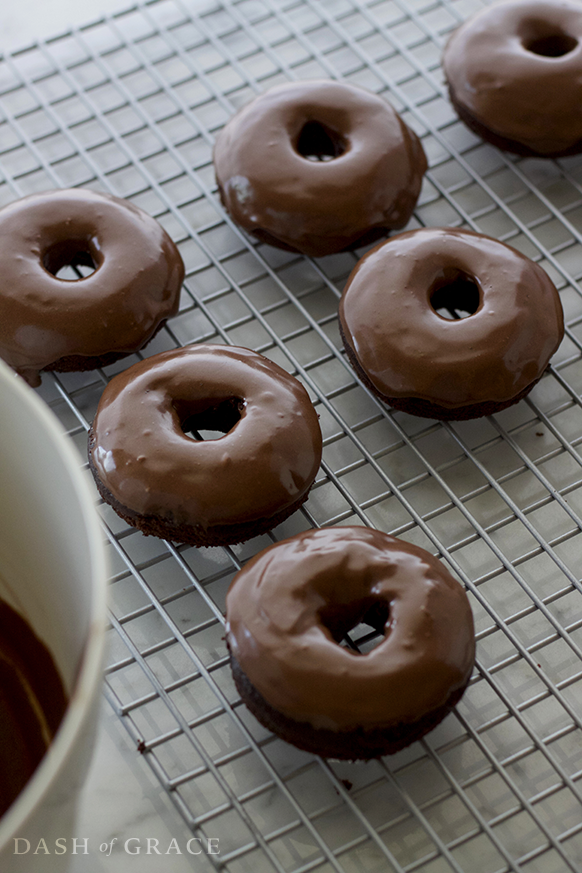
(32, 703)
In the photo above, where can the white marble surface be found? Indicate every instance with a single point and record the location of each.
(124, 820)
(122, 800)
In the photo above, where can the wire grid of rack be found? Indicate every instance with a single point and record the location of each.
(131, 105)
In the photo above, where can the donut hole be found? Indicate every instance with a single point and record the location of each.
(317, 142)
(349, 623)
(455, 296)
(212, 421)
(554, 45)
(71, 260)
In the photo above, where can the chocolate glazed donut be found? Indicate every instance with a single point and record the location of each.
(289, 608)
(166, 482)
(49, 323)
(449, 324)
(318, 166)
(514, 72)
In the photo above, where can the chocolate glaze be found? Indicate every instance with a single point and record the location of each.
(515, 69)
(288, 607)
(32, 703)
(407, 350)
(265, 462)
(367, 178)
(44, 320)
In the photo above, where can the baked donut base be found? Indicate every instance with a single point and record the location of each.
(84, 363)
(426, 409)
(193, 534)
(320, 247)
(359, 744)
(507, 145)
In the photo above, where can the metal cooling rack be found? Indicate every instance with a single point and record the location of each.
(130, 105)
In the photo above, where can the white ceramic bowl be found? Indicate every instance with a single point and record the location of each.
(53, 571)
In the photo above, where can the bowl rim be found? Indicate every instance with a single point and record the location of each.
(90, 672)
